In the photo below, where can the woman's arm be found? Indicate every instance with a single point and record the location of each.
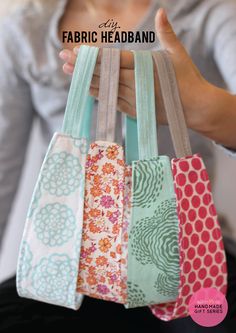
(16, 115)
(208, 110)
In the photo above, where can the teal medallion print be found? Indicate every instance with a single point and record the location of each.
(54, 279)
(82, 144)
(35, 200)
(25, 261)
(62, 174)
(54, 224)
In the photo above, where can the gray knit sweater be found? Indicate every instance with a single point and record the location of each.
(32, 82)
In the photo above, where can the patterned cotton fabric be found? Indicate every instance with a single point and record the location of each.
(50, 250)
(202, 255)
(153, 260)
(104, 245)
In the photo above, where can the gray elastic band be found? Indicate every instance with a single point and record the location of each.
(108, 93)
(172, 103)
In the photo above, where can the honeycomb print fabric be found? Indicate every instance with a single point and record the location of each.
(50, 249)
(102, 263)
(153, 235)
(202, 256)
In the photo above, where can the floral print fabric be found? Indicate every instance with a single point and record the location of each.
(125, 226)
(50, 250)
(67, 225)
(102, 263)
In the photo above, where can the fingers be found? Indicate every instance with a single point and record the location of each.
(68, 69)
(171, 43)
(68, 56)
(126, 58)
(124, 92)
(166, 34)
(126, 63)
(125, 102)
(126, 77)
(125, 107)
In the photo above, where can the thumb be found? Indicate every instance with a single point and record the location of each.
(166, 34)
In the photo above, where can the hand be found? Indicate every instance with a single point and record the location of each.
(202, 102)
(126, 95)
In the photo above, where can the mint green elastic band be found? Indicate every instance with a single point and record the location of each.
(78, 112)
(131, 140)
(145, 109)
(86, 129)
